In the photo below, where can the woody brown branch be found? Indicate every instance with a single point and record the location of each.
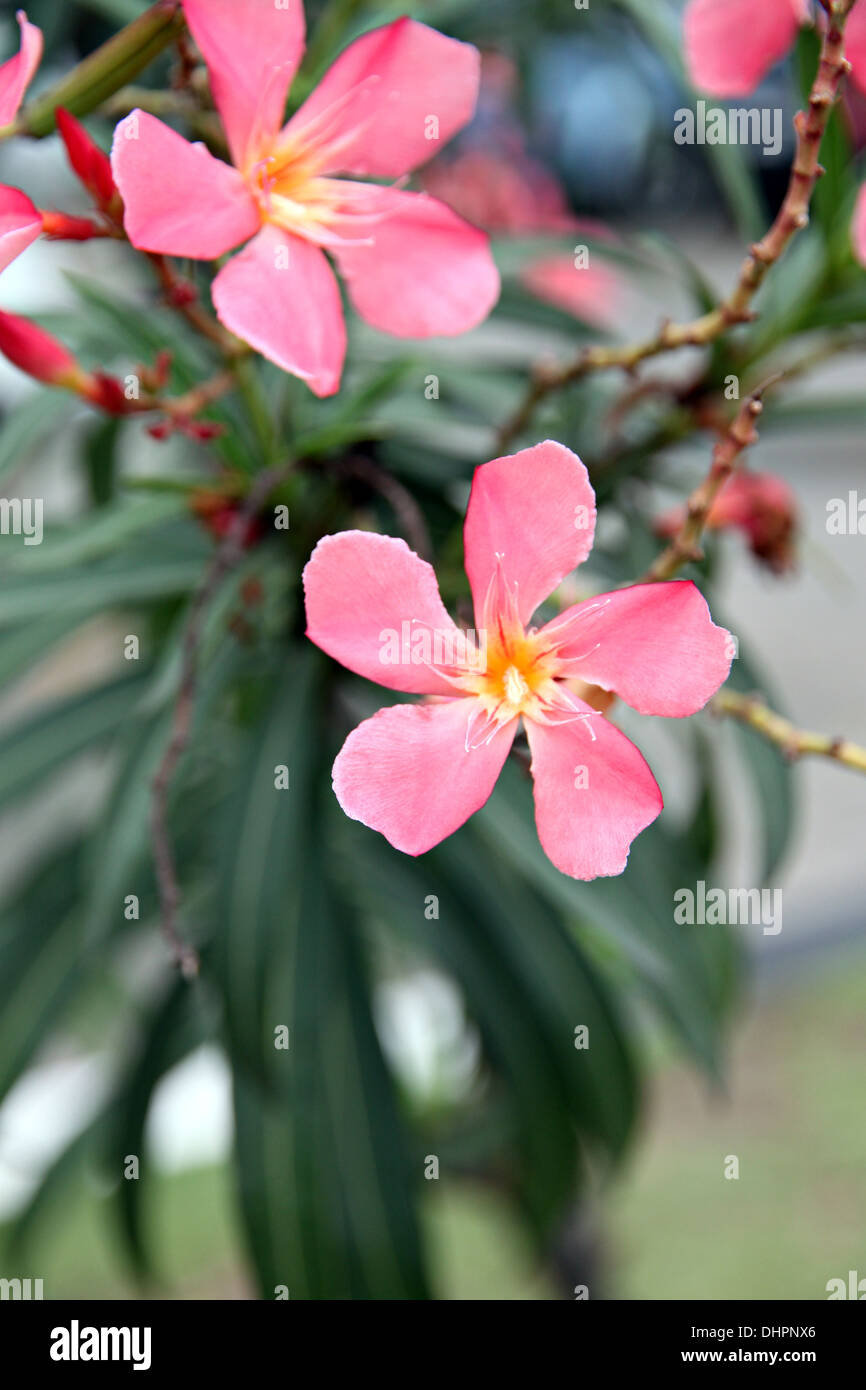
(685, 546)
(810, 126)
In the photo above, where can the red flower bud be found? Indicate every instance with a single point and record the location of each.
(59, 226)
(40, 355)
(91, 164)
(106, 393)
(218, 514)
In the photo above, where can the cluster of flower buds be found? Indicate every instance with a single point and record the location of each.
(40, 355)
(202, 430)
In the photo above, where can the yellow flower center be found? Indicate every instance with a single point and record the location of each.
(519, 675)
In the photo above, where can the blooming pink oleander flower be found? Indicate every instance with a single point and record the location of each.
(730, 45)
(412, 267)
(417, 772)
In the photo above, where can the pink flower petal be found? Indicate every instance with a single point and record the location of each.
(426, 271)
(366, 592)
(16, 73)
(20, 224)
(535, 509)
(279, 294)
(392, 100)
(655, 645)
(252, 49)
(855, 44)
(858, 230)
(179, 200)
(407, 772)
(592, 795)
(730, 45)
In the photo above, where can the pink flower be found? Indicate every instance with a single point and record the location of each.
(416, 772)
(412, 267)
(730, 45)
(592, 293)
(16, 73)
(502, 192)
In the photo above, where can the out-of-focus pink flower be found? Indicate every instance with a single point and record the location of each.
(16, 73)
(502, 193)
(516, 195)
(762, 506)
(592, 292)
(412, 267)
(730, 45)
(417, 772)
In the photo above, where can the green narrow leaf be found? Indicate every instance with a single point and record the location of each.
(36, 747)
(170, 1030)
(326, 1191)
(325, 1181)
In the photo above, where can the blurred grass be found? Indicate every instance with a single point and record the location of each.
(796, 1121)
(675, 1228)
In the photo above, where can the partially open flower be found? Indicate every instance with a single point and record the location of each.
(591, 292)
(417, 772)
(394, 96)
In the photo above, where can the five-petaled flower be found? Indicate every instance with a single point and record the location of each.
(390, 101)
(416, 772)
(730, 45)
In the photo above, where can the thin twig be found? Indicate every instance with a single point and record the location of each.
(685, 545)
(794, 743)
(228, 555)
(792, 216)
(181, 295)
